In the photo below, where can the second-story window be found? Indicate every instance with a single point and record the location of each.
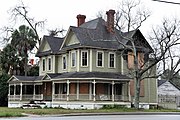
(73, 59)
(64, 62)
(84, 58)
(111, 60)
(49, 64)
(43, 64)
(100, 58)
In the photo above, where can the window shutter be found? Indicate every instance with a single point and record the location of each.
(141, 88)
(130, 60)
(140, 60)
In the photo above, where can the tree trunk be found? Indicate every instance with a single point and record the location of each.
(137, 92)
(25, 65)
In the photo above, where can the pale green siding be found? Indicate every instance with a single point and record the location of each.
(106, 67)
(45, 47)
(71, 39)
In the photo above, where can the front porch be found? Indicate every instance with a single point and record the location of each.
(56, 91)
(70, 91)
(92, 90)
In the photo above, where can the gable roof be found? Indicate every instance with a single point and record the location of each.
(25, 78)
(160, 82)
(94, 34)
(54, 43)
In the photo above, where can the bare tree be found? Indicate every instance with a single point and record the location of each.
(166, 39)
(129, 18)
(130, 15)
(20, 11)
(55, 32)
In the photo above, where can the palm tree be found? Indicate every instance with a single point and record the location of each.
(24, 40)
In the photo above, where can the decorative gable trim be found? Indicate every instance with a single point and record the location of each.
(43, 42)
(46, 77)
(13, 78)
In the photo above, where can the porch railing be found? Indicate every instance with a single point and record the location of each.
(103, 97)
(25, 97)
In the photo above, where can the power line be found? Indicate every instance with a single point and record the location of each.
(167, 2)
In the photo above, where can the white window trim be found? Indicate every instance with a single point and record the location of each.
(75, 58)
(102, 58)
(44, 59)
(63, 61)
(87, 58)
(48, 64)
(109, 60)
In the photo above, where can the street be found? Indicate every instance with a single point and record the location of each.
(102, 117)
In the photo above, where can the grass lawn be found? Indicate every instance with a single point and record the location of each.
(18, 112)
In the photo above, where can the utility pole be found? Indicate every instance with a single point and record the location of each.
(177, 3)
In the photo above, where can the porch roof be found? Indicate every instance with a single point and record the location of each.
(86, 75)
(16, 78)
(71, 75)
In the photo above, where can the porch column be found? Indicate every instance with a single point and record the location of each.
(94, 90)
(113, 91)
(68, 90)
(129, 92)
(90, 91)
(53, 90)
(21, 91)
(77, 92)
(14, 91)
(34, 92)
(9, 91)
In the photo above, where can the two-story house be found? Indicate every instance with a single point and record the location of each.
(85, 69)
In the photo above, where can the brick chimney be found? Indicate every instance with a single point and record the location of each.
(110, 20)
(80, 19)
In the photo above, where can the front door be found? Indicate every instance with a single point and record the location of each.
(47, 91)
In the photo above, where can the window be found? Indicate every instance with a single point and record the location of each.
(64, 62)
(49, 63)
(130, 60)
(44, 64)
(100, 58)
(111, 60)
(84, 58)
(73, 59)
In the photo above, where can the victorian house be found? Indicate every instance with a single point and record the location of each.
(84, 70)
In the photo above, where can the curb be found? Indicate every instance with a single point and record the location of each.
(114, 113)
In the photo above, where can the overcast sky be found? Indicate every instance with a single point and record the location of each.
(62, 13)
